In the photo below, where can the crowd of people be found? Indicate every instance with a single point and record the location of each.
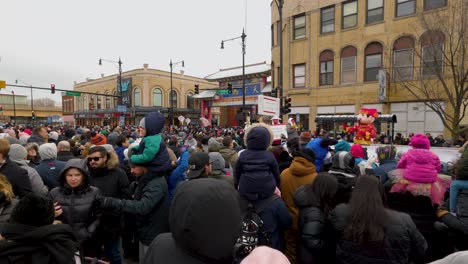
(165, 194)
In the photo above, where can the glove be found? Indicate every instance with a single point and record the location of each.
(441, 212)
(109, 203)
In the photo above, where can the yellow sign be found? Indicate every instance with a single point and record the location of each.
(2, 84)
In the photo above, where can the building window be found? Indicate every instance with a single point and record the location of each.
(157, 97)
(116, 100)
(326, 67)
(272, 35)
(434, 4)
(136, 97)
(348, 65)
(299, 27)
(173, 98)
(278, 33)
(432, 43)
(373, 61)
(403, 50)
(91, 102)
(190, 101)
(433, 59)
(327, 19)
(78, 106)
(107, 102)
(85, 107)
(299, 76)
(99, 105)
(375, 11)
(349, 14)
(405, 7)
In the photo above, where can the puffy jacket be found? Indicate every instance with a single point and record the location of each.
(256, 173)
(402, 240)
(317, 243)
(345, 171)
(385, 167)
(301, 172)
(420, 165)
(78, 204)
(320, 152)
(152, 151)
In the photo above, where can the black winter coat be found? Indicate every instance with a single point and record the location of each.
(79, 209)
(151, 207)
(50, 244)
(65, 155)
(318, 243)
(18, 177)
(423, 214)
(112, 183)
(402, 241)
(6, 208)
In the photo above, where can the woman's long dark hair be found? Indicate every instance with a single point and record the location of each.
(321, 191)
(367, 214)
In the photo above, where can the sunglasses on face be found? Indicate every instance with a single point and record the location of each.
(94, 158)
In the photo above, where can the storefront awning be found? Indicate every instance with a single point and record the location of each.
(267, 88)
(205, 94)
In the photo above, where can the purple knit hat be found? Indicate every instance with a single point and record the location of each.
(420, 141)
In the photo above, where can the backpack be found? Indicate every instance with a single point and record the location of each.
(252, 233)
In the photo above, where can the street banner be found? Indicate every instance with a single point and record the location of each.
(268, 106)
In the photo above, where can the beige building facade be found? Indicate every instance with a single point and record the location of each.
(335, 53)
(144, 90)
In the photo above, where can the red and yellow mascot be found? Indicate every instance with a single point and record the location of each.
(364, 130)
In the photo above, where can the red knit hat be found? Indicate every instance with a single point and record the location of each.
(98, 139)
(357, 151)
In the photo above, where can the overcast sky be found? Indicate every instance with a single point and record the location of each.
(56, 41)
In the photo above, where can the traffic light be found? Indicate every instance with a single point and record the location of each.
(287, 105)
(197, 88)
(52, 88)
(230, 88)
(33, 115)
(274, 92)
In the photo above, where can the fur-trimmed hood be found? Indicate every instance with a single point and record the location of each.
(258, 136)
(112, 161)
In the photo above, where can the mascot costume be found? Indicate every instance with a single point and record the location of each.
(364, 130)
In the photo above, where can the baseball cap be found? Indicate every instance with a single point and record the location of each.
(196, 164)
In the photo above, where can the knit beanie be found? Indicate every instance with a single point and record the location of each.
(17, 153)
(97, 139)
(357, 151)
(33, 210)
(420, 141)
(48, 151)
(24, 139)
(342, 145)
(142, 123)
(53, 135)
(386, 152)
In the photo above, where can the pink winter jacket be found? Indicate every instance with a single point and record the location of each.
(420, 165)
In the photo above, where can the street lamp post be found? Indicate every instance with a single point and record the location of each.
(32, 98)
(279, 4)
(119, 62)
(14, 106)
(243, 36)
(171, 111)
